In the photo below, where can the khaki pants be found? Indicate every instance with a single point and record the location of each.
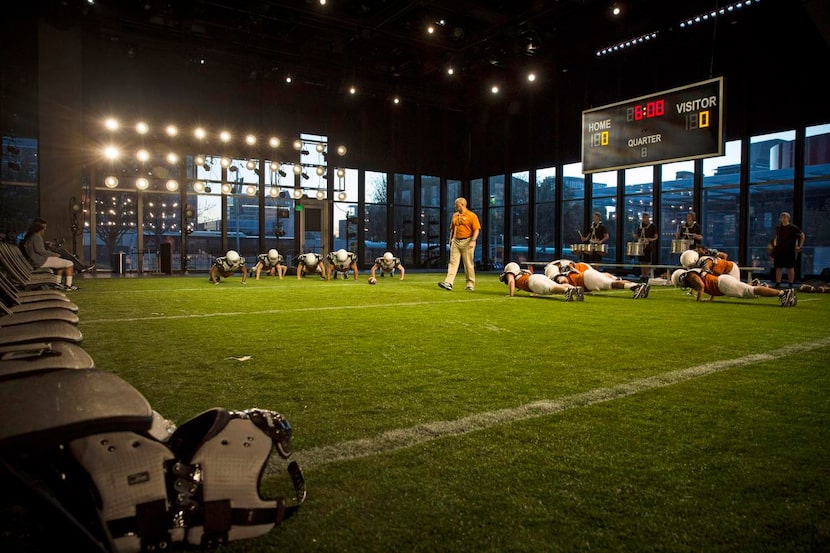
(460, 251)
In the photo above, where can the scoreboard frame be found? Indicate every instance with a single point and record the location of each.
(673, 125)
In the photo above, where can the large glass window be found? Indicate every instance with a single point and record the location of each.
(374, 223)
(770, 189)
(677, 199)
(519, 219)
(816, 224)
(404, 224)
(604, 200)
(496, 228)
(545, 212)
(639, 199)
(430, 221)
(721, 201)
(18, 186)
(573, 205)
(476, 203)
(345, 214)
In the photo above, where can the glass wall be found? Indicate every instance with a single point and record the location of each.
(720, 216)
(374, 222)
(519, 222)
(496, 231)
(232, 205)
(816, 221)
(573, 207)
(403, 218)
(430, 221)
(771, 159)
(545, 213)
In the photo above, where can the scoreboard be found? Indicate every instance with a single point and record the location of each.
(673, 125)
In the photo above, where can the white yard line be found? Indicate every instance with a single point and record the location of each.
(394, 440)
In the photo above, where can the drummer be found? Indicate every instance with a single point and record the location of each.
(690, 230)
(646, 233)
(596, 234)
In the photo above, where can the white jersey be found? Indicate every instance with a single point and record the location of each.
(267, 262)
(228, 267)
(342, 266)
(387, 265)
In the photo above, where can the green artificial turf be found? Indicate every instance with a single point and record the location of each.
(428, 420)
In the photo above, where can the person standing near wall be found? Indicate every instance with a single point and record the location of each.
(464, 230)
(786, 246)
(646, 233)
(690, 230)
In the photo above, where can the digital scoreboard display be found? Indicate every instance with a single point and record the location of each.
(674, 125)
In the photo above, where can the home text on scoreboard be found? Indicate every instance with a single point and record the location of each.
(674, 125)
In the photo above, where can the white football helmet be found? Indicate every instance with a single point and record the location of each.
(273, 254)
(689, 258)
(551, 270)
(232, 257)
(677, 278)
(388, 256)
(311, 259)
(564, 265)
(513, 268)
(341, 255)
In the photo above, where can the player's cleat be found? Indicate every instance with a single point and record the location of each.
(570, 294)
(580, 293)
(755, 282)
(641, 291)
(784, 297)
(793, 301)
(445, 286)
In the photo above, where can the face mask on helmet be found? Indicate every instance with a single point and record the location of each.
(678, 278)
(551, 270)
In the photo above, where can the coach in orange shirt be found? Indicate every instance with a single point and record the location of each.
(464, 231)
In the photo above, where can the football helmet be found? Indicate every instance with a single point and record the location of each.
(388, 256)
(689, 258)
(273, 254)
(311, 259)
(678, 278)
(513, 268)
(341, 255)
(551, 270)
(232, 257)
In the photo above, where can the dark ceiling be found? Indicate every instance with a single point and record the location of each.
(382, 47)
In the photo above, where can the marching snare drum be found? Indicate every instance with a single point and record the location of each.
(579, 248)
(598, 248)
(634, 249)
(681, 245)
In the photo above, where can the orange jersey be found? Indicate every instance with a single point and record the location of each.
(710, 284)
(522, 281)
(718, 266)
(576, 278)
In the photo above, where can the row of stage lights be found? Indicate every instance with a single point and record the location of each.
(112, 153)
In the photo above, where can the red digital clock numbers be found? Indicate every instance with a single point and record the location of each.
(655, 108)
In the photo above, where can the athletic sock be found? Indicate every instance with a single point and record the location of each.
(68, 281)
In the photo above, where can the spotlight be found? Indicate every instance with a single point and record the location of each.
(250, 164)
(275, 166)
(226, 188)
(320, 171)
(198, 187)
(320, 148)
(297, 169)
(172, 185)
(321, 195)
(142, 183)
(298, 193)
(111, 182)
(199, 160)
(342, 196)
(341, 150)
